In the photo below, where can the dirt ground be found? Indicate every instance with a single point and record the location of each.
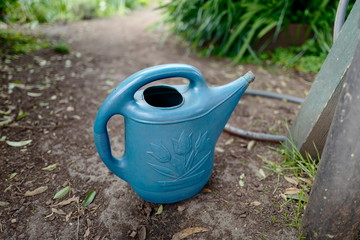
(58, 97)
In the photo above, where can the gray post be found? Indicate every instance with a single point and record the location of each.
(313, 121)
(333, 211)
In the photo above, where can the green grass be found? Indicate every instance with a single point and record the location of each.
(299, 167)
(292, 57)
(61, 47)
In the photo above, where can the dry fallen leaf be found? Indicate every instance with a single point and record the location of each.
(283, 196)
(262, 173)
(291, 180)
(3, 204)
(206, 190)
(255, 203)
(219, 149)
(58, 211)
(181, 208)
(306, 180)
(36, 191)
(241, 183)
(50, 167)
(290, 191)
(250, 145)
(34, 94)
(187, 232)
(230, 141)
(68, 216)
(87, 233)
(142, 233)
(67, 201)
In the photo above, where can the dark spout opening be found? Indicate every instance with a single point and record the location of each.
(162, 96)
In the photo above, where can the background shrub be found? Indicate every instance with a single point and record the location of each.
(41, 11)
(232, 28)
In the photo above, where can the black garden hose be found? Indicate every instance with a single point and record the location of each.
(262, 136)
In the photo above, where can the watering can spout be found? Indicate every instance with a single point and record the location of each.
(235, 88)
(228, 95)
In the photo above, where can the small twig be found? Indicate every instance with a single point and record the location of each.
(78, 224)
(277, 184)
(78, 228)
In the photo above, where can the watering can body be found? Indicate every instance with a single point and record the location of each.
(170, 131)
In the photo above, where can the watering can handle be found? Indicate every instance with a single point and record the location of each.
(117, 101)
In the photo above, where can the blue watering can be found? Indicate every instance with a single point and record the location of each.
(170, 131)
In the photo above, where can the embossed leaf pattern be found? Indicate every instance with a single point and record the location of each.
(201, 142)
(182, 145)
(186, 159)
(189, 160)
(160, 153)
(164, 171)
(197, 165)
(179, 164)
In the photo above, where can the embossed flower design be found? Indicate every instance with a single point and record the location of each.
(160, 153)
(185, 160)
(182, 145)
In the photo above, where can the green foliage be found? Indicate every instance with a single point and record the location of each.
(302, 166)
(294, 162)
(291, 57)
(62, 48)
(233, 28)
(41, 11)
(15, 43)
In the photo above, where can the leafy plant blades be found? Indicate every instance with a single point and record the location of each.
(160, 210)
(62, 192)
(50, 167)
(89, 198)
(18, 144)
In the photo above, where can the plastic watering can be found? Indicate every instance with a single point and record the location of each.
(170, 131)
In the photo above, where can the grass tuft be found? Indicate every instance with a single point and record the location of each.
(62, 48)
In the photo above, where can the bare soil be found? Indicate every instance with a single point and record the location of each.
(70, 88)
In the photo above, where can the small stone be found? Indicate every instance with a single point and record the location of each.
(88, 222)
(70, 109)
(260, 188)
(181, 208)
(132, 234)
(21, 236)
(241, 213)
(244, 215)
(238, 193)
(68, 63)
(13, 220)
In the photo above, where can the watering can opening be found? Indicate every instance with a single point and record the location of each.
(163, 97)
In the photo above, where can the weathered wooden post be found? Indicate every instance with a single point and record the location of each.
(333, 211)
(313, 121)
